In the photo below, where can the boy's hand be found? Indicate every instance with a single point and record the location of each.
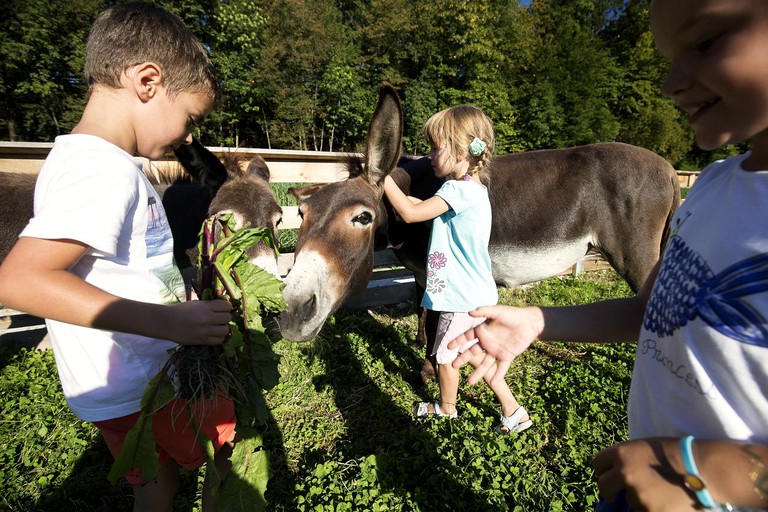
(201, 322)
(504, 335)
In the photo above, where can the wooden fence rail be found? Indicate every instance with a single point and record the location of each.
(390, 282)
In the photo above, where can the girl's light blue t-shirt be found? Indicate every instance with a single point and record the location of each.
(459, 277)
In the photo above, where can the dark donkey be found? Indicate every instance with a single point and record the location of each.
(549, 208)
(206, 186)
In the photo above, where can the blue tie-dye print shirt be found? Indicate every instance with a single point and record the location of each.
(701, 366)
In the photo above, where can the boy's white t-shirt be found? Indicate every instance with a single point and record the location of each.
(91, 191)
(701, 366)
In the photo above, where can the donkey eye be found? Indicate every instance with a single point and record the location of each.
(364, 218)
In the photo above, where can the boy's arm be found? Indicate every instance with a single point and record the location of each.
(408, 210)
(509, 331)
(34, 278)
(651, 471)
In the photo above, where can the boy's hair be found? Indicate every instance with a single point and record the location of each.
(457, 127)
(129, 34)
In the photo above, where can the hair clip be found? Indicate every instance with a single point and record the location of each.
(476, 147)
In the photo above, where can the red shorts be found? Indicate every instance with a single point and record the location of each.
(175, 433)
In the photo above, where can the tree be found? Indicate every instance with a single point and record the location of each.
(647, 119)
(575, 81)
(236, 32)
(42, 53)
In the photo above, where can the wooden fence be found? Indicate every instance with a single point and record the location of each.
(389, 284)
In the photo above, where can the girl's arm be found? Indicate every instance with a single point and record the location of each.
(34, 278)
(410, 211)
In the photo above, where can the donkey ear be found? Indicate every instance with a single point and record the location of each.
(302, 193)
(257, 167)
(201, 164)
(385, 134)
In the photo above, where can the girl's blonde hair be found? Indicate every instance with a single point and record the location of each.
(457, 127)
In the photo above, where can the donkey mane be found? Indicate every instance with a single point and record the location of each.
(355, 166)
(233, 162)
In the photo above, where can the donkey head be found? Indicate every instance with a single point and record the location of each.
(236, 188)
(341, 225)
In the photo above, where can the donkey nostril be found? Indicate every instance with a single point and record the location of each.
(311, 304)
(308, 308)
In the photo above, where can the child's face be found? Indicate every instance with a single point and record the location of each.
(718, 50)
(168, 122)
(445, 164)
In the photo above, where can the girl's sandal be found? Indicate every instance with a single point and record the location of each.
(426, 409)
(511, 424)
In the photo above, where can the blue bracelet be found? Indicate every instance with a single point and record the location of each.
(692, 479)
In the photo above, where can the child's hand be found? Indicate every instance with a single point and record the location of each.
(201, 322)
(504, 335)
(643, 469)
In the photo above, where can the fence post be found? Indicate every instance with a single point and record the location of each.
(578, 267)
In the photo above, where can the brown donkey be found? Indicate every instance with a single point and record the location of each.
(549, 208)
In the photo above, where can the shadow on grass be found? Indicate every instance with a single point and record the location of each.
(409, 467)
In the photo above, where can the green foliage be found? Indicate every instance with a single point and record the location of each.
(304, 74)
(42, 52)
(340, 435)
(244, 489)
(223, 272)
(49, 459)
(576, 82)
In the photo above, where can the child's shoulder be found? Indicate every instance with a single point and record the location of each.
(86, 148)
(725, 164)
(81, 155)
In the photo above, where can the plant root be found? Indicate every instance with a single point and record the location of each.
(200, 372)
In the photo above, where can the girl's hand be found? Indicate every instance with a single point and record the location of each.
(201, 322)
(506, 333)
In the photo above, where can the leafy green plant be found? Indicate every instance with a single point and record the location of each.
(242, 367)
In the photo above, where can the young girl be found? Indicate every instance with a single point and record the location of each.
(459, 275)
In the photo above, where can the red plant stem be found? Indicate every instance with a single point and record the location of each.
(206, 272)
(220, 291)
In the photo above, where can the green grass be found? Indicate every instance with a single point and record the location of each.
(341, 436)
(287, 237)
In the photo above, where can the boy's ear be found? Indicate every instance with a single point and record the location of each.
(146, 79)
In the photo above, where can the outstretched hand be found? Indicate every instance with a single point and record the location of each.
(506, 333)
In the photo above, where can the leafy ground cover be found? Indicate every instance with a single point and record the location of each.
(340, 433)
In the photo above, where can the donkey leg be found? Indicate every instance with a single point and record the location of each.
(421, 334)
(428, 372)
(634, 259)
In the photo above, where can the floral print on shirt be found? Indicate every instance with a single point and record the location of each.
(435, 261)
